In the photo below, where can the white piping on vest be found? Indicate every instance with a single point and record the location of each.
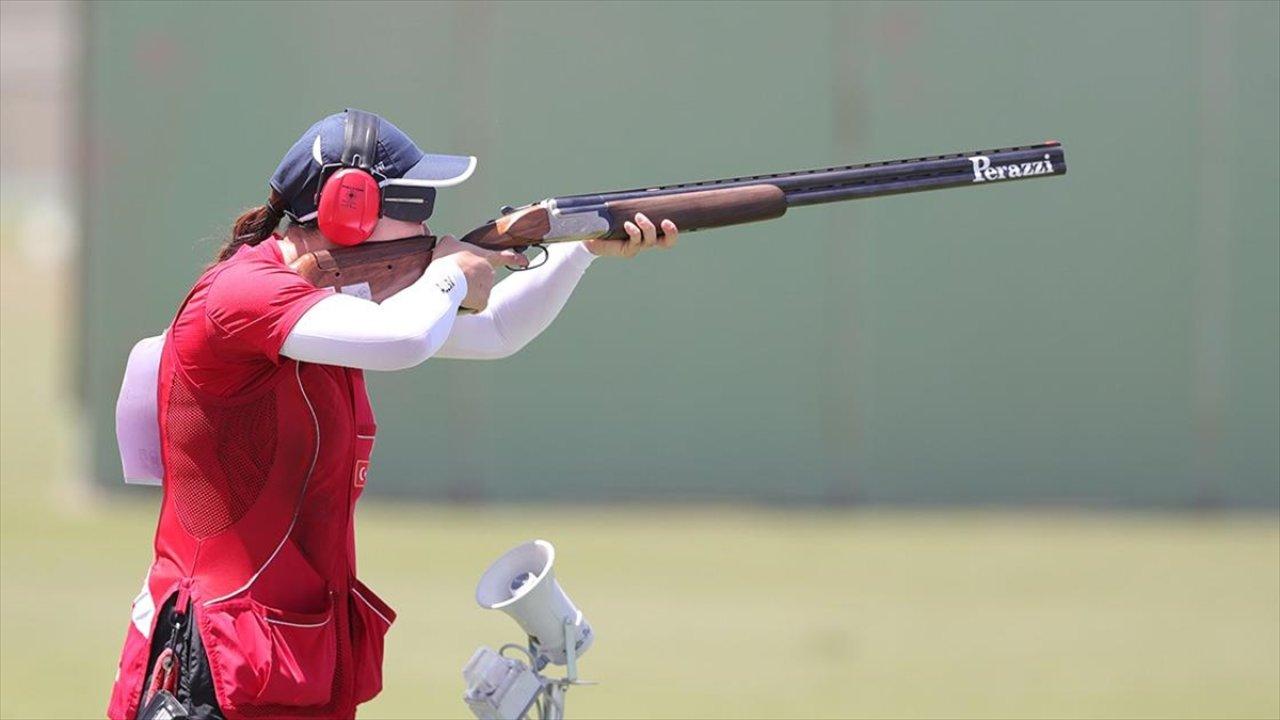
(302, 495)
(371, 607)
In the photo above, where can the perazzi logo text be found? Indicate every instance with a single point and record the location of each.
(983, 171)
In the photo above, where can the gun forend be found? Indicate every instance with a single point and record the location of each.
(700, 210)
(544, 222)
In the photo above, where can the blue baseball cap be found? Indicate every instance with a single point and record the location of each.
(397, 161)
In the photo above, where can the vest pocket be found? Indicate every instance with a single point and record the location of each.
(262, 657)
(370, 620)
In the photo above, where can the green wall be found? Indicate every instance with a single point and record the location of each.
(1109, 337)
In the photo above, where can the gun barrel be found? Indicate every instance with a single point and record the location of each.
(846, 182)
(856, 191)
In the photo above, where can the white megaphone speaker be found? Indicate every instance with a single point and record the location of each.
(522, 584)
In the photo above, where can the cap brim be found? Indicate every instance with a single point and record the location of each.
(437, 171)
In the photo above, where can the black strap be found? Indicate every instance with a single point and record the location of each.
(195, 692)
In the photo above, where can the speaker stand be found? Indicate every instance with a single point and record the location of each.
(551, 704)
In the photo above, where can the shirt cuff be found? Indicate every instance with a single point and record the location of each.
(446, 275)
(580, 257)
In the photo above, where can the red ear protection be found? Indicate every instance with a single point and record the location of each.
(350, 205)
(350, 200)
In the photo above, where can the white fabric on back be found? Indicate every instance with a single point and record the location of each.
(137, 420)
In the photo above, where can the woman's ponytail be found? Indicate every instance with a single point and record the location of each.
(254, 226)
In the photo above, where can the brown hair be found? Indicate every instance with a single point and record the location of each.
(253, 226)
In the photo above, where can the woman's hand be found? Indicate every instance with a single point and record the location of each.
(641, 235)
(478, 266)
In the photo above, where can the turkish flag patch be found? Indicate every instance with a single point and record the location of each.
(362, 472)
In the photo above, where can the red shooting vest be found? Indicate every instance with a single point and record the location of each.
(264, 459)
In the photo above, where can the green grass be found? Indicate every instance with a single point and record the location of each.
(701, 612)
(730, 613)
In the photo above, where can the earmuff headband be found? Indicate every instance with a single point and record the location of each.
(360, 139)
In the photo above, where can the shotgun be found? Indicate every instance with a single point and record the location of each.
(378, 270)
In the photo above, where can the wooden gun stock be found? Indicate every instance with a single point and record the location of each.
(374, 271)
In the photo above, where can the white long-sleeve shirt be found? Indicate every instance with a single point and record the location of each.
(407, 328)
(422, 320)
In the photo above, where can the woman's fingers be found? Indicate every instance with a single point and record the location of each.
(511, 258)
(501, 258)
(449, 245)
(669, 234)
(648, 233)
(634, 238)
(642, 234)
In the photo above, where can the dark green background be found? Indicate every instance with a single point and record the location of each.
(1109, 337)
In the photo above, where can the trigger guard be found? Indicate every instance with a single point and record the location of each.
(521, 249)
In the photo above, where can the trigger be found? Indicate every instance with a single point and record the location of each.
(542, 258)
(520, 249)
